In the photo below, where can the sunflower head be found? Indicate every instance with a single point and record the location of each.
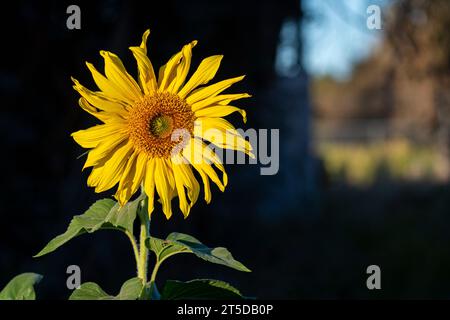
(155, 131)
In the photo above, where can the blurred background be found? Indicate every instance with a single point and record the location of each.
(364, 143)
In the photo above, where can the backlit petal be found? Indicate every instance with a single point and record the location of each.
(220, 111)
(163, 185)
(221, 99)
(204, 73)
(211, 90)
(115, 71)
(91, 137)
(100, 100)
(167, 72)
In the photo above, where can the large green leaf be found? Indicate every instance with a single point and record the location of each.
(21, 287)
(103, 214)
(130, 290)
(182, 243)
(199, 289)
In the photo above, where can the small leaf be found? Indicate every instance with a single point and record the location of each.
(130, 290)
(103, 214)
(21, 287)
(199, 289)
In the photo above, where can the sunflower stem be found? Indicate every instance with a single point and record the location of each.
(143, 251)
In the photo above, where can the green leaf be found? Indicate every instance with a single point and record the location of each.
(124, 217)
(199, 289)
(89, 291)
(179, 243)
(165, 248)
(90, 221)
(21, 287)
(103, 214)
(94, 218)
(130, 290)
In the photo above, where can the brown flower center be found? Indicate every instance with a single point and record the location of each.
(153, 120)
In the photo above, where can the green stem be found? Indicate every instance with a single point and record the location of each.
(158, 264)
(143, 251)
(155, 271)
(134, 245)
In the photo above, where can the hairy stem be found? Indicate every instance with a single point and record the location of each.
(143, 253)
(134, 245)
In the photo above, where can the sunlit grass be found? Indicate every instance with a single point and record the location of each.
(364, 164)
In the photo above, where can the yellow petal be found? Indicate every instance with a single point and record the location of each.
(201, 157)
(163, 185)
(167, 72)
(101, 115)
(182, 68)
(143, 45)
(220, 111)
(221, 99)
(95, 176)
(211, 90)
(147, 79)
(149, 184)
(108, 87)
(124, 190)
(146, 73)
(184, 206)
(191, 183)
(104, 150)
(141, 165)
(209, 171)
(113, 167)
(206, 188)
(129, 185)
(204, 73)
(221, 133)
(100, 100)
(91, 137)
(116, 72)
(185, 178)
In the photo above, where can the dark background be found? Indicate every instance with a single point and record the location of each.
(304, 233)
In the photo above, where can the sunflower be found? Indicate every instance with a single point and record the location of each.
(156, 130)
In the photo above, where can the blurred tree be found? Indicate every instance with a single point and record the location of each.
(405, 83)
(418, 34)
